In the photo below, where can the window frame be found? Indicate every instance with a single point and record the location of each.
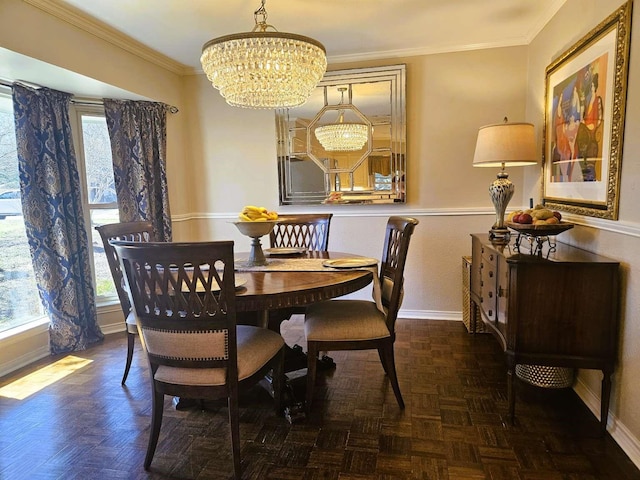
(77, 112)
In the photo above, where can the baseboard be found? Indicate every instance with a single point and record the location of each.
(620, 434)
(114, 327)
(23, 360)
(430, 315)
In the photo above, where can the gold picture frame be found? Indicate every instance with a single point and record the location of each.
(585, 98)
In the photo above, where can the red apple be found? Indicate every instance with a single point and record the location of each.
(516, 218)
(526, 218)
(558, 215)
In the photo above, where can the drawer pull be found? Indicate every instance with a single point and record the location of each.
(491, 257)
(491, 313)
(490, 274)
(490, 294)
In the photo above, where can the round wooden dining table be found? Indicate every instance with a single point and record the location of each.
(267, 290)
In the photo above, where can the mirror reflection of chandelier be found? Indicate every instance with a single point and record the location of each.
(264, 69)
(342, 136)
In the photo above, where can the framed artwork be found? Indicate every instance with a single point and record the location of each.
(585, 97)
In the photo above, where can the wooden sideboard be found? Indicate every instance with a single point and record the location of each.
(557, 307)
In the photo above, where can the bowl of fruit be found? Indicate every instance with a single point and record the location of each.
(537, 222)
(256, 222)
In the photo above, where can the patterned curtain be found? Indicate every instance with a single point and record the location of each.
(138, 132)
(50, 188)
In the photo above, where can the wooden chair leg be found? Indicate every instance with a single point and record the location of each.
(312, 362)
(131, 340)
(157, 407)
(511, 396)
(389, 365)
(278, 381)
(604, 401)
(234, 424)
(382, 360)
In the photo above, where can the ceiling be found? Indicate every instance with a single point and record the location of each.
(349, 29)
(171, 33)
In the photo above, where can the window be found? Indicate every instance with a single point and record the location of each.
(19, 300)
(99, 200)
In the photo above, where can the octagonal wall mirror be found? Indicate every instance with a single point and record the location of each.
(347, 143)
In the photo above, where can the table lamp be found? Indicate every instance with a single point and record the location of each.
(499, 145)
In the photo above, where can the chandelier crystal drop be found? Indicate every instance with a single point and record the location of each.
(342, 137)
(264, 69)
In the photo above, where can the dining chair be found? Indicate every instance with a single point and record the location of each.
(305, 230)
(360, 324)
(135, 232)
(301, 230)
(184, 302)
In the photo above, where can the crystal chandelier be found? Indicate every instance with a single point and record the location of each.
(264, 69)
(342, 136)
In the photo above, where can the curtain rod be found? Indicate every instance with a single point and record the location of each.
(79, 101)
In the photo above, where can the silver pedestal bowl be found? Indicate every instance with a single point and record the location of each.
(255, 230)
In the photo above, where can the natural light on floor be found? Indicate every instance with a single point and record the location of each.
(43, 377)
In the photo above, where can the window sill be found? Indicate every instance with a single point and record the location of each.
(36, 327)
(30, 329)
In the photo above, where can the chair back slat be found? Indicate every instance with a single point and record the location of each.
(310, 231)
(183, 297)
(394, 256)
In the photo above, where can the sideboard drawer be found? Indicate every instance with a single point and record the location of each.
(488, 272)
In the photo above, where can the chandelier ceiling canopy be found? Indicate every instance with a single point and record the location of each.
(343, 136)
(264, 69)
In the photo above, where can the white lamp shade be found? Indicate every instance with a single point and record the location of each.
(505, 143)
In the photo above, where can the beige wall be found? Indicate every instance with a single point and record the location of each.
(221, 158)
(233, 160)
(617, 239)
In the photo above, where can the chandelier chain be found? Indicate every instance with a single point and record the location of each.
(260, 17)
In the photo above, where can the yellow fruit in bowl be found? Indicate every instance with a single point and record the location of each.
(251, 213)
(552, 221)
(542, 213)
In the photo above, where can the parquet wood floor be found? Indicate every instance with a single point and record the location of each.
(86, 426)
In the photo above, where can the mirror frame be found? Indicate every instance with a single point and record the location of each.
(392, 187)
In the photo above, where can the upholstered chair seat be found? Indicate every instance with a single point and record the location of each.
(345, 320)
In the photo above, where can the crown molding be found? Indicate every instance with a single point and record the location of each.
(420, 51)
(108, 34)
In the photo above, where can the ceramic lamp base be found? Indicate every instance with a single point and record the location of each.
(501, 191)
(496, 234)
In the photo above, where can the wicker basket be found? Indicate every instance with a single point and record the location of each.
(475, 326)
